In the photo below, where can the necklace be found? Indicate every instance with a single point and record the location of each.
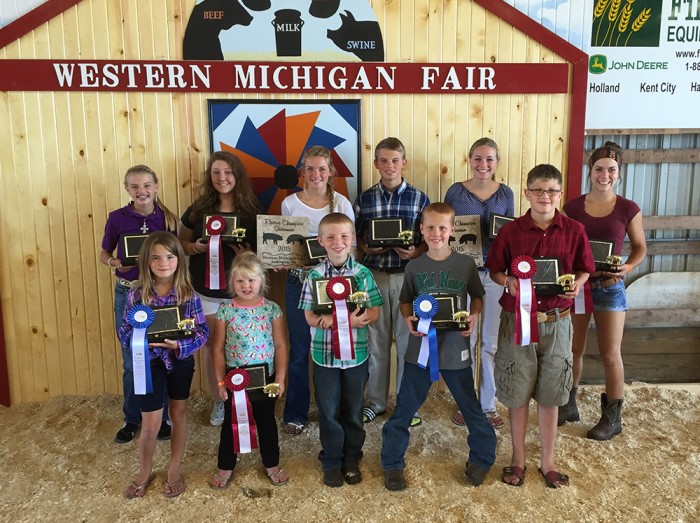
(144, 227)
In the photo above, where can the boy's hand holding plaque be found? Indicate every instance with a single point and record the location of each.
(388, 232)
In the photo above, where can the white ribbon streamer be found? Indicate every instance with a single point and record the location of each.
(344, 334)
(244, 438)
(214, 253)
(423, 327)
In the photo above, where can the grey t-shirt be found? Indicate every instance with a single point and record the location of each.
(457, 274)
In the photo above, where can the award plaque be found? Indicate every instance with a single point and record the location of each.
(258, 376)
(323, 304)
(450, 315)
(131, 245)
(168, 324)
(496, 222)
(314, 251)
(232, 232)
(603, 255)
(546, 279)
(388, 232)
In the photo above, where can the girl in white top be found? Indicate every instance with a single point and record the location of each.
(315, 201)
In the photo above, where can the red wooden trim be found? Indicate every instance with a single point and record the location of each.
(4, 374)
(527, 25)
(577, 128)
(33, 19)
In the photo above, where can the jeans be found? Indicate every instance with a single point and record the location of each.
(416, 383)
(296, 407)
(132, 407)
(339, 394)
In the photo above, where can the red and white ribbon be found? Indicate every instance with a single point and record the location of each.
(215, 278)
(245, 432)
(583, 302)
(526, 331)
(338, 289)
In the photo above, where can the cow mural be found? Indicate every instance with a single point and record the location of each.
(269, 30)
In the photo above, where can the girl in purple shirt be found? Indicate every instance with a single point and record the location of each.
(143, 214)
(605, 216)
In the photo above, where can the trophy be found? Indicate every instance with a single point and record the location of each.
(388, 232)
(323, 304)
(314, 251)
(359, 298)
(449, 316)
(546, 279)
(603, 255)
(168, 324)
(566, 281)
(496, 221)
(232, 233)
(131, 245)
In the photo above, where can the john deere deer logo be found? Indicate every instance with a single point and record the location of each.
(598, 63)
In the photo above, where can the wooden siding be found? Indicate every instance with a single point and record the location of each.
(64, 156)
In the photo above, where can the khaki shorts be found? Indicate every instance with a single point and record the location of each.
(540, 370)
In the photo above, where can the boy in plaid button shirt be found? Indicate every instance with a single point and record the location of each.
(339, 384)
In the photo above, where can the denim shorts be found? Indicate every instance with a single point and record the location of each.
(176, 383)
(609, 299)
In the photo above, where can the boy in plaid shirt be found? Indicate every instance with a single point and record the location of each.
(340, 378)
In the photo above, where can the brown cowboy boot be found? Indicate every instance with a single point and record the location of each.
(610, 422)
(569, 412)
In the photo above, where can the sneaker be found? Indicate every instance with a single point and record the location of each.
(217, 414)
(126, 433)
(394, 479)
(164, 432)
(333, 478)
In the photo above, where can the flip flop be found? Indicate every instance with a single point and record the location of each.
(278, 478)
(222, 481)
(368, 414)
(172, 490)
(515, 471)
(458, 419)
(294, 428)
(555, 479)
(135, 490)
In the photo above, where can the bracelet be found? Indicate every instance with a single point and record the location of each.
(505, 283)
(221, 383)
(109, 263)
(629, 267)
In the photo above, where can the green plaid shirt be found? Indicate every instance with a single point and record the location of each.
(321, 339)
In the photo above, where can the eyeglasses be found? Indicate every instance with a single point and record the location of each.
(550, 192)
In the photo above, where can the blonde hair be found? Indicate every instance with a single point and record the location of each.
(320, 151)
(181, 279)
(249, 266)
(171, 220)
(335, 218)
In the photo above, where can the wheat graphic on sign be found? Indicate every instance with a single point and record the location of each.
(617, 16)
(639, 22)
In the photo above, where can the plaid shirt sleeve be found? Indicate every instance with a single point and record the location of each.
(306, 300)
(124, 332)
(188, 346)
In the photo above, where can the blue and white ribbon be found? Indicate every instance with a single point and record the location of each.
(425, 307)
(140, 317)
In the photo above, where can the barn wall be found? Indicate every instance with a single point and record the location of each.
(64, 156)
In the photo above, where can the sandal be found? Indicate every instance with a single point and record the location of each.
(494, 419)
(555, 479)
(416, 420)
(368, 414)
(458, 419)
(277, 478)
(172, 490)
(135, 490)
(294, 428)
(219, 482)
(516, 472)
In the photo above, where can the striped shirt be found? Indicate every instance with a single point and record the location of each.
(405, 202)
(321, 339)
(466, 203)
